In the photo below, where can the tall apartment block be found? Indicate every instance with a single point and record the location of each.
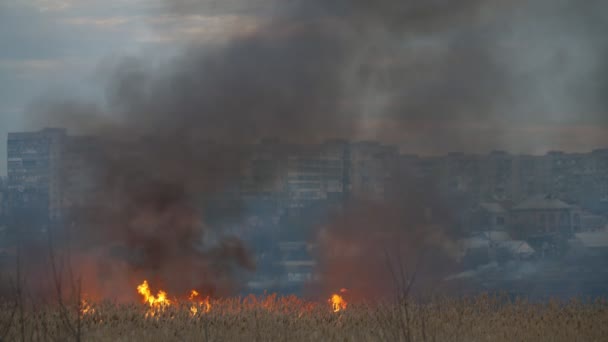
(34, 181)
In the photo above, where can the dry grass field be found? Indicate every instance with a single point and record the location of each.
(273, 318)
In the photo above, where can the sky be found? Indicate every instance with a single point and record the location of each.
(527, 77)
(60, 47)
(55, 46)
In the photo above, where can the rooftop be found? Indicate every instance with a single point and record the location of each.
(492, 207)
(546, 202)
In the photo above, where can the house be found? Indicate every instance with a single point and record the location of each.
(541, 217)
(488, 216)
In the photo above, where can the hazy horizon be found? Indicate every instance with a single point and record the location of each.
(526, 77)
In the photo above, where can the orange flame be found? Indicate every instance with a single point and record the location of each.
(85, 308)
(156, 303)
(193, 294)
(337, 302)
(160, 302)
(205, 304)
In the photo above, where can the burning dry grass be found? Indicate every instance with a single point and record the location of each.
(273, 318)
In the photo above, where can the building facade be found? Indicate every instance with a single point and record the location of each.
(372, 167)
(543, 216)
(3, 201)
(34, 185)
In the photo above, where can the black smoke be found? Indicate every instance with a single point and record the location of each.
(171, 135)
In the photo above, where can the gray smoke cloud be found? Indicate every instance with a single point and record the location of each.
(319, 69)
(505, 68)
(352, 64)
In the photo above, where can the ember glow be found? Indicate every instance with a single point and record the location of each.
(337, 301)
(85, 308)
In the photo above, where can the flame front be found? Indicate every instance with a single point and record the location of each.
(156, 303)
(200, 305)
(160, 302)
(205, 304)
(337, 302)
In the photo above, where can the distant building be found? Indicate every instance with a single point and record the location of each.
(305, 171)
(34, 181)
(316, 172)
(371, 165)
(3, 200)
(488, 216)
(297, 261)
(296, 175)
(529, 178)
(79, 171)
(461, 173)
(542, 216)
(49, 172)
(264, 176)
(498, 176)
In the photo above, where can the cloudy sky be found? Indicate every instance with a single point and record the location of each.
(58, 47)
(527, 77)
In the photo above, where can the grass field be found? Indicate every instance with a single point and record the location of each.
(273, 318)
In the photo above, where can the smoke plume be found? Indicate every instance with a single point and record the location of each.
(171, 135)
(378, 250)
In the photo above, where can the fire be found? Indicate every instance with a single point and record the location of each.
(156, 303)
(159, 302)
(205, 304)
(201, 305)
(193, 294)
(337, 302)
(85, 308)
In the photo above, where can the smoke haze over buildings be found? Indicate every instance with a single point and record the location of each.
(429, 75)
(477, 73)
